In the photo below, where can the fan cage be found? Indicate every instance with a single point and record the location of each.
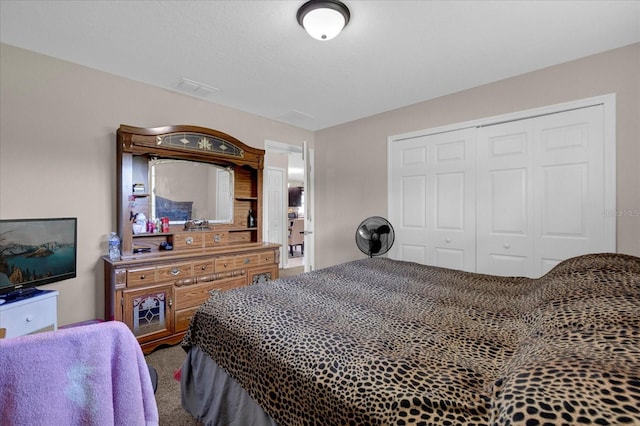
(368, 246)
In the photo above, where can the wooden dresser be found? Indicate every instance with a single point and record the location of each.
(153, 290)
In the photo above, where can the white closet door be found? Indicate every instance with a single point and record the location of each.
(432, 191)
(451, 204)
(540, 192)
(505, 198)
(514, 198)
(570, 190)
(408, 196)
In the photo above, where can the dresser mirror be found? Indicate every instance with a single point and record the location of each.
(206, 182)
(185, 190)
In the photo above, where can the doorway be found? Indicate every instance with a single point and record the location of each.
(281, 217)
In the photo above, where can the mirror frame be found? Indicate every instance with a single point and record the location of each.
(176, 142)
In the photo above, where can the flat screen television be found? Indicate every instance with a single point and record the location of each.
(34, 252)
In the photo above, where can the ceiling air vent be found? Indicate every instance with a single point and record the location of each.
(194, 88)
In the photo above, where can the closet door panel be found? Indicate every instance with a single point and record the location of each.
(504, 198)
(451, 207)
(408, 195)
(569, 186)
(448, 220)
(433, 201)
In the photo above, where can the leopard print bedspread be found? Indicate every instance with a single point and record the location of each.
(383, 342)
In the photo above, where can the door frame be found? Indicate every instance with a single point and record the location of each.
(309, 256)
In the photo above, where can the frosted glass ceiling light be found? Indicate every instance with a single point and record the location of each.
(323, 19)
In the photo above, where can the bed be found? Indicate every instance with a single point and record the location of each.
(382, 342)
(174, 210)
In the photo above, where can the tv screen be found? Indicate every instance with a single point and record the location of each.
(34, 252)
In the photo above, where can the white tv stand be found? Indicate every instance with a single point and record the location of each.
(33, 313)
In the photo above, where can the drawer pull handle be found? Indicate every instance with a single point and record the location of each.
(29, 318)
(266, 259)
(189, 240)
(175, 271)
(170, 302)
(247, 260)
(203, 267)
(143, 276)
(225, 265)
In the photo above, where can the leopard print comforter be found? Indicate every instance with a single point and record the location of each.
(383, 342)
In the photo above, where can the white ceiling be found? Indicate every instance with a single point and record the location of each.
(391, 54)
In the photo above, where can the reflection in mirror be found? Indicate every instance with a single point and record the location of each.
(186, 190)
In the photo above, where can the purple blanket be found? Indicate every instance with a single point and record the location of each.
(90, 375)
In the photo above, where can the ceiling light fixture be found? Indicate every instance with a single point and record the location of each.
(323, 19)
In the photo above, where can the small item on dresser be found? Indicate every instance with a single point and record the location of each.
(141, 249)
(139, 223)
(196, 224)
(165, 224)
(165, 246)
(138, 188)
(114, 246)
(251, 220)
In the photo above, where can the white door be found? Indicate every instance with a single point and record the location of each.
(408, 199)
(505, 198)
(540, 192)
(432, 191)
(451, 200)
(224, 199)
(275, 209)
(570, 191)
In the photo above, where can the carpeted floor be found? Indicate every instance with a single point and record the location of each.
(166, 360)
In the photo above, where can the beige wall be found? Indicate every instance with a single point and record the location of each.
(57, 151)
(351, 169)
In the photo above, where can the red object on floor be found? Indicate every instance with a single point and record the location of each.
(177, 374)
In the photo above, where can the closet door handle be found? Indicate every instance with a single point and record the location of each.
(506, 245)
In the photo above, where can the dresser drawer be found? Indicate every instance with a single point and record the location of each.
(218, 238)
(25, 318)
(247, 260)
(183, 318)
(193, 295)
(188, 240)
(228, 284)
(141, 276)
(266, 258)
(227, 263)
(203, 268)
(173, 272)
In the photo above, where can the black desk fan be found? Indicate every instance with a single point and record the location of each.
(375, 236)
